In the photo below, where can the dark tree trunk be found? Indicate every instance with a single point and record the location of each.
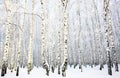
(59, 70)
(3, 71)
(45, 66)
(75, 66)
(53, 69)
(23, 66)
(91, 66)
(112, 65)
(109, 64)
(70, 65)
(47, 71)
(116, 67)
(101, 66)
(80, 66)
(17, 72)
(64, 68)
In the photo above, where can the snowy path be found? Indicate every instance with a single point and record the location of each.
(71, 73)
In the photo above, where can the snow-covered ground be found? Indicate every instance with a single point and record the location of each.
(71, 73)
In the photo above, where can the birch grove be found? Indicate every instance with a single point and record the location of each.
(56, 34)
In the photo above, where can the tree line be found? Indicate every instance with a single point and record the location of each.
(41, 33)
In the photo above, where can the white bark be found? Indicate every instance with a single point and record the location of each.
(20, 41)
(8, 8)
(59, 38)
(12, 49)
(111, 36)
(107, 38)
(89, 35)
(59, 53)
(44, 61)
(30, 53)
(98, 33)
(24, 41)
(65, 21)
(79, 49)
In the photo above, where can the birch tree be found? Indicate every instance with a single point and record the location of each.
(6, 48)
(59, 38)
(89, 34)
(59, 53)
(30, 53)
(53, 57)
(112, 39)
(65, 21)
(98, 34)
(106, 26)
(19, 51)
(79, 49)
(12, 49)
(44, 61)
(24, 41)
(108, 22)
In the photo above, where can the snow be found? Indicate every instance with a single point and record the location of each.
(88, 72)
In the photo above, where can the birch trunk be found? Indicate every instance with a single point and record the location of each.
(112, 39)
(59, 53)
(80, 52)
(89, 35)
(12, 51)
(53, 57)
(44, 61)
(19, 44)
(106, 26)
(65, 21)
(7, 41)
(98, 35)
(24, 41)
(59, 45)
(30, 53)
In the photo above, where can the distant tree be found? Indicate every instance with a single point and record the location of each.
(98, 34)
